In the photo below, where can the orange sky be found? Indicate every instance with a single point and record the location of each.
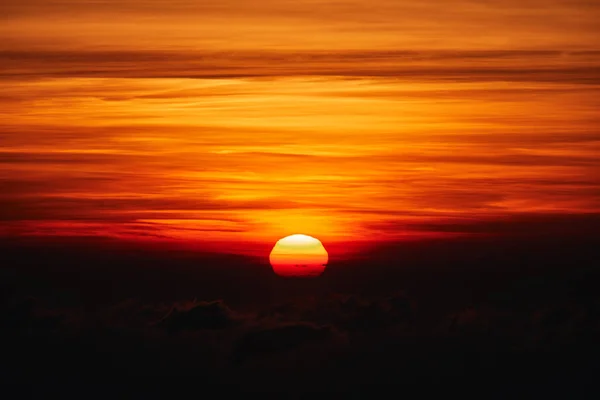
(236, 121)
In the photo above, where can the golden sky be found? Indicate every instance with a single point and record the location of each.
(238, 121)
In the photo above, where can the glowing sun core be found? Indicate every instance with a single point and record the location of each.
(299, 256)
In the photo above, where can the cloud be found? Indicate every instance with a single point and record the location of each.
(518, 224)
(203, 315)
(278, 339)
(348, 313)
(315, 24)
(21, 315)
(452, 66)
(15, 157)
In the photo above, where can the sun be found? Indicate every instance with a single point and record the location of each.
(299, 256)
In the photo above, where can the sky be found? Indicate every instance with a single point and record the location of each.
(236, 122)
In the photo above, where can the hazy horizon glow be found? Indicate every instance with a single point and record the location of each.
(230, 121)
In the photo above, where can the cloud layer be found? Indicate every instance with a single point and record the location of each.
(341, 120)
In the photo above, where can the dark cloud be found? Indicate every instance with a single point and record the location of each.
(19, 315)
(69, 158)
(445, 158)
(516, 66)
(203, 315)
(348, 313)
(526, 224)
(552, 136)
(278, 339)
(512, 225)
(57, 207)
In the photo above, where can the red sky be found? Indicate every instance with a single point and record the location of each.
(238, 121)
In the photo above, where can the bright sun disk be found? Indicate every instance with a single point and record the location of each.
(299, 256)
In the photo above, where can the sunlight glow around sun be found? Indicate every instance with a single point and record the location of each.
(299, 256)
